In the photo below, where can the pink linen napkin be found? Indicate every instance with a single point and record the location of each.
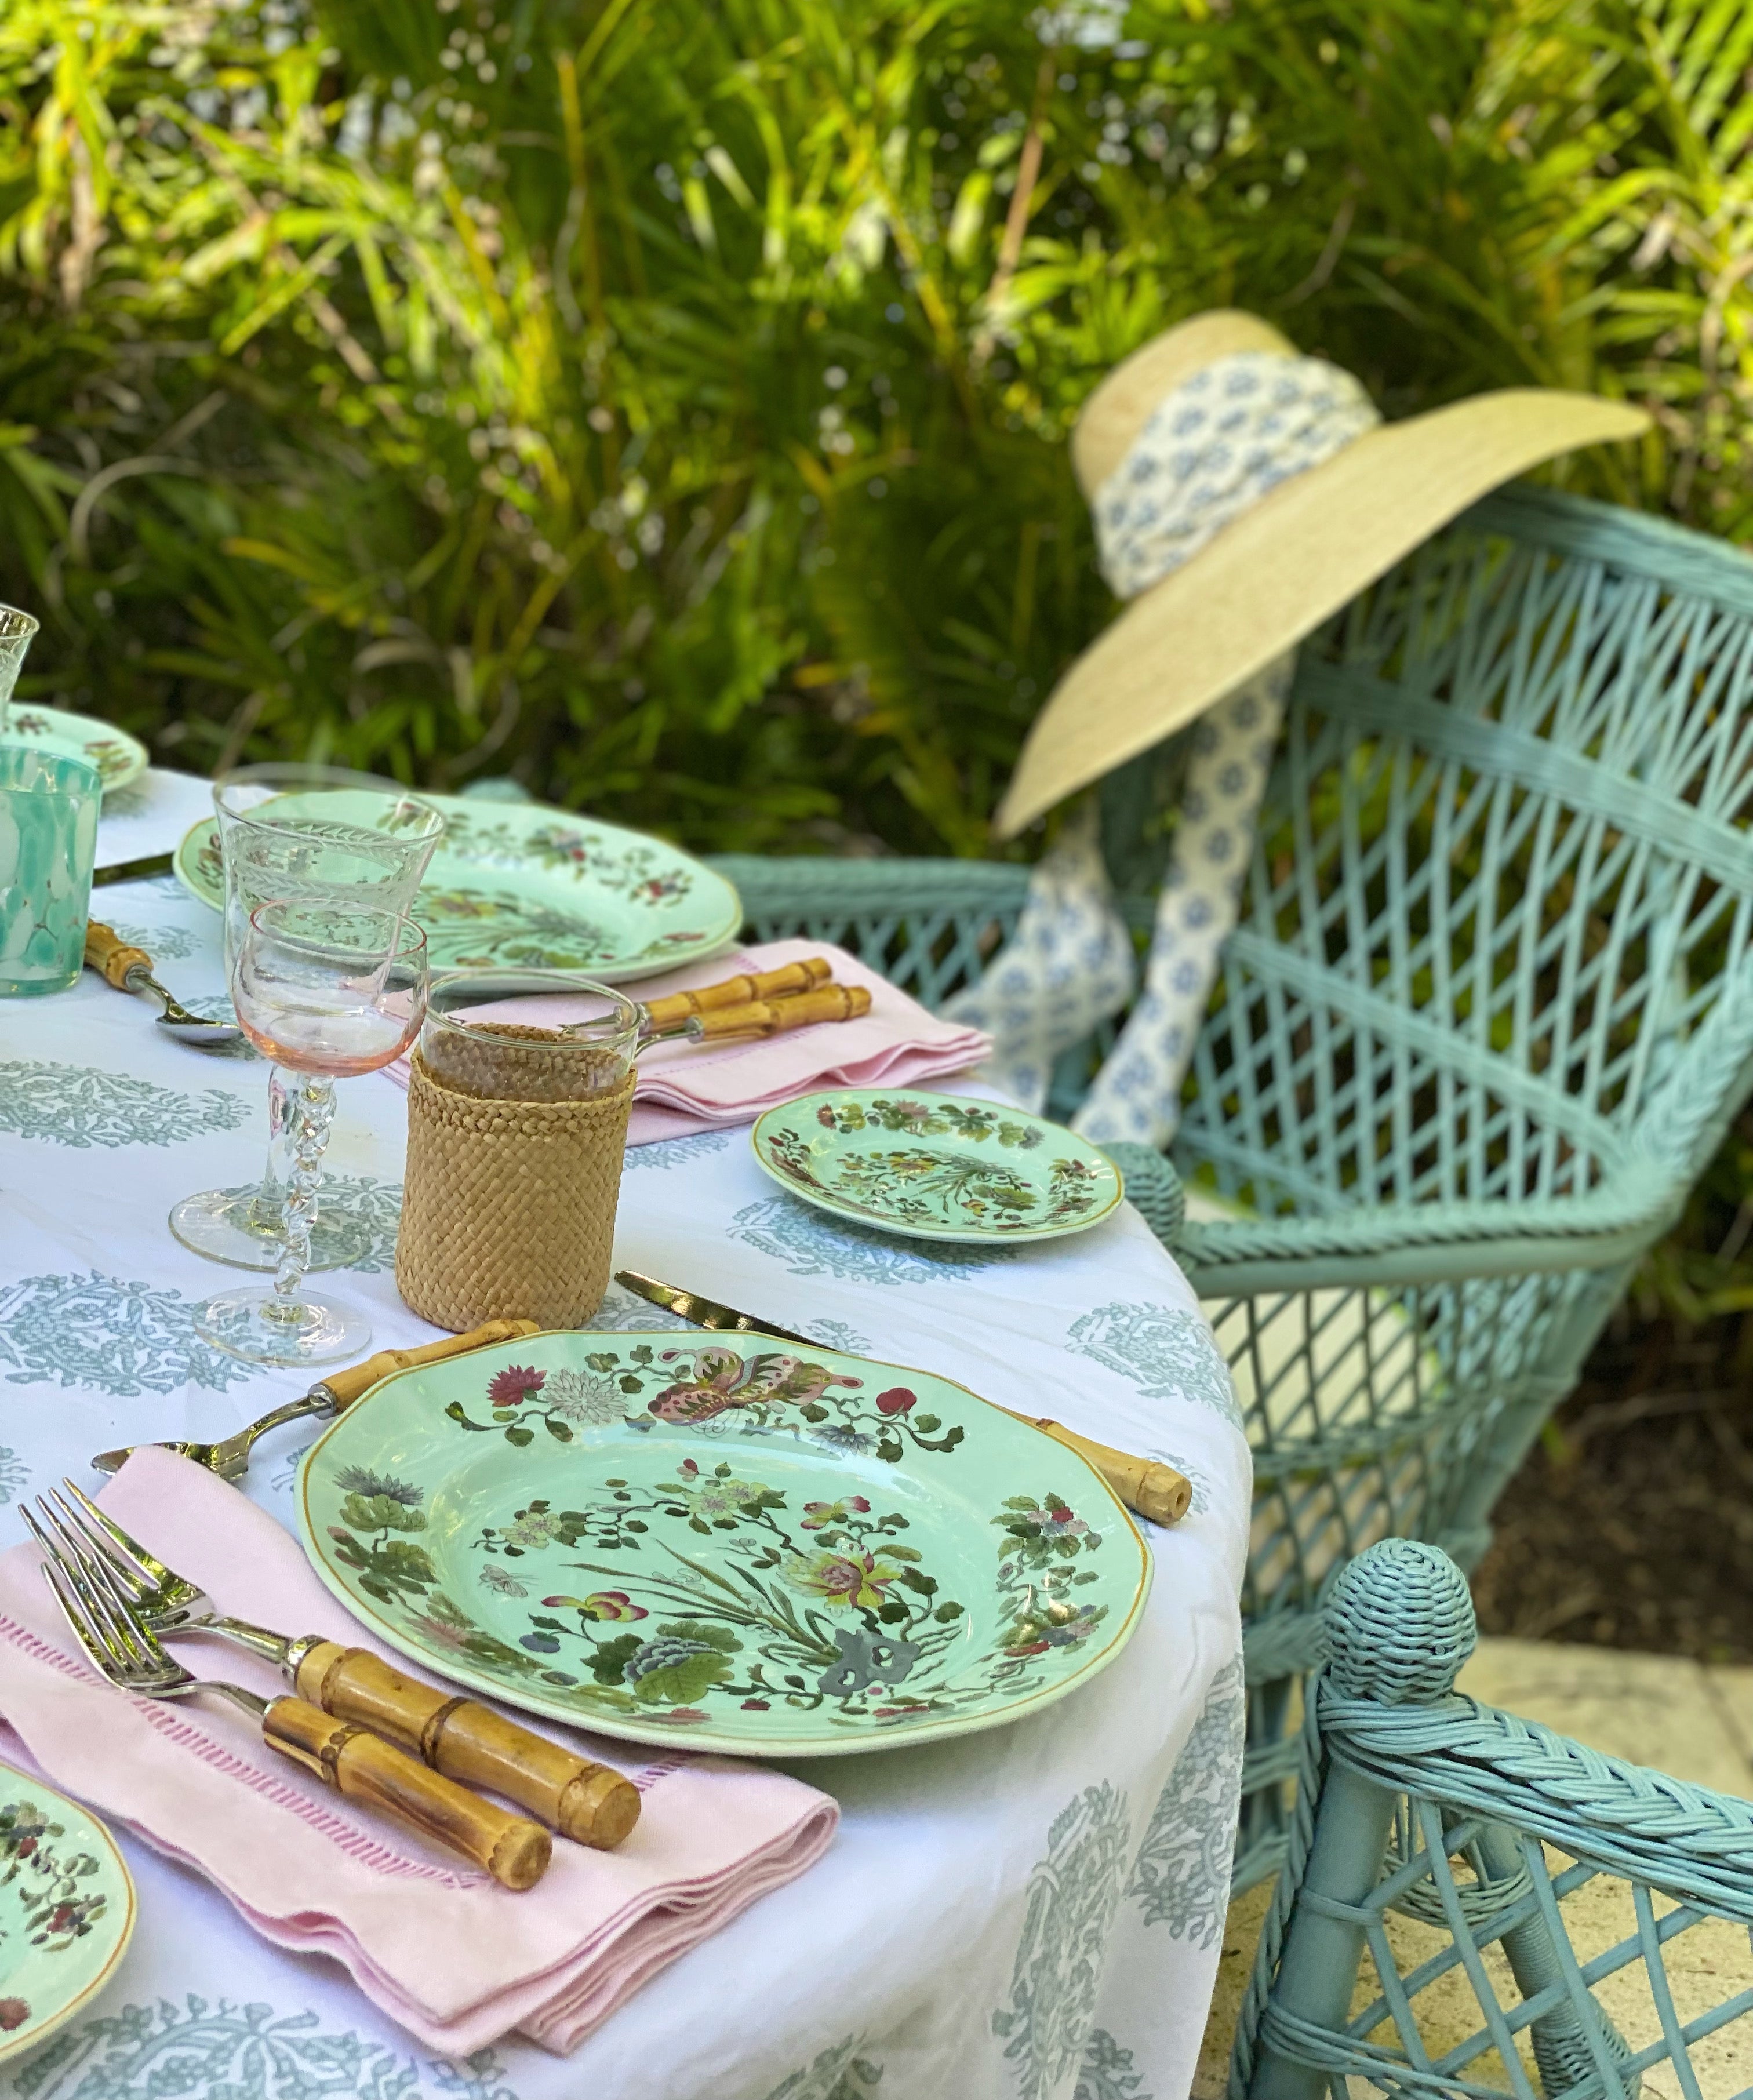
(438, 1947)
(683, 1086)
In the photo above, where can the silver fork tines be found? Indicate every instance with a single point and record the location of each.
(116, 1640)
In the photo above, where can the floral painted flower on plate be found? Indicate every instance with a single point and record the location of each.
(66, 1909)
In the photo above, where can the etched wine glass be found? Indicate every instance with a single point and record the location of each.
(326, 993)
(326, 835)
(16, 630)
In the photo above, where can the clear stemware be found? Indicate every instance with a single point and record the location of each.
(324, 835)
(325, 993)
(16, 630)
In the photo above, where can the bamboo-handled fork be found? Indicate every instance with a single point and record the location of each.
(590, 1803)
(121, 1648)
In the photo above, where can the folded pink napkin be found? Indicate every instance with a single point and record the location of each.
(683, 1086)
(453, 1958)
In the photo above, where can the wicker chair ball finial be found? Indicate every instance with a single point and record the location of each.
(1399, 1623)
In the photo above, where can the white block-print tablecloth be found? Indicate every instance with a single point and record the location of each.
(1031, 1914)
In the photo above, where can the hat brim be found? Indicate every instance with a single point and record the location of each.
(1274, 574)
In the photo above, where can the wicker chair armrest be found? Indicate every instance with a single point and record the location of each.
(1152, 1187)
(1694, 1844)
(1417, 1243)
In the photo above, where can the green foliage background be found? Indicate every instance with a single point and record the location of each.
(635, 395)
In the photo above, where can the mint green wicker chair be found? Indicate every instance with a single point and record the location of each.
(1474, 1906)
(1486, 1014)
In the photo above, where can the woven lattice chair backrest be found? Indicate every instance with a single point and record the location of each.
(1503, 876)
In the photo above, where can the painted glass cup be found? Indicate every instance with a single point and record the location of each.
(325, 993)
(329, 836)
(16, 630)
(48, 841)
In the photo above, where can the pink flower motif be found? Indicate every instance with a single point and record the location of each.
(817, 1516)
(513, 1386)
(896, 1401)
(825, 1117)
(14, 2013)
(688, 1469)
(754, 1706)
(683, 1716)
(607, 1604)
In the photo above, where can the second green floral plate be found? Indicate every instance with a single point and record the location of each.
(764, 1550)
(935, 1167)
(518, 885)
(118, 757)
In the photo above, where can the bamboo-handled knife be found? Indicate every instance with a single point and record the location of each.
(1146, 1486)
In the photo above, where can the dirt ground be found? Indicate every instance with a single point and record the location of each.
(1632, 1526)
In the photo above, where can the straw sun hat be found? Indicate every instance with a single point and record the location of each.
(1242, 494)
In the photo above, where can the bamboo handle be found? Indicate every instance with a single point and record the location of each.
(345, 1387)
(361, 1765)
(107, 952)
(589, 1803)
(778, 1016)
(1146, 1486)
(812, 971)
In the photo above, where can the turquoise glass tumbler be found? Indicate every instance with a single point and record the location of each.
(48, 841)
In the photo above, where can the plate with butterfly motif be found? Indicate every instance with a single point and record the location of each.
(67, 1910)
(117, 757)
(518, 885)
(935, 1167)
(764, 1549)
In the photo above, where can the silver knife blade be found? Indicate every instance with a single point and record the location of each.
(132, 871)
(703, 1311)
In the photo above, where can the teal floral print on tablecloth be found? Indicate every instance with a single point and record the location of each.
(15, 1474)
(223, 2051)
(80, 1105)
(1106, 2071)
(664, 1152)
(1181, 1877)
(839, 2073)
(378, 1203)
(96, 1331)
(171, 944)
(807, 1244)
(1167, 1353)
(1069, 1912)
(836, 1334)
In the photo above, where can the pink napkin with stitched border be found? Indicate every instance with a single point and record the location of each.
(683, 1086)
(439, 1947)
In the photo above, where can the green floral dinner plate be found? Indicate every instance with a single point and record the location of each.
(936, 1168)
(754, 1549)
(118, 757)
(520, 886)
(67, 1907)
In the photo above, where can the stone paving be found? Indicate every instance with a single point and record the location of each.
(1685, 1718)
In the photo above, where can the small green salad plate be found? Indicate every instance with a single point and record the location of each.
(936, 1167)
(520, 886)
(117, 757)
(67, 1908)
(763, 1551)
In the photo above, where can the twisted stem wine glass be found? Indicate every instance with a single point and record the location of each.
(326, 993)
(326, 835)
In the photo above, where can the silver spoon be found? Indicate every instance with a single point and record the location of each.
(130, 968)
